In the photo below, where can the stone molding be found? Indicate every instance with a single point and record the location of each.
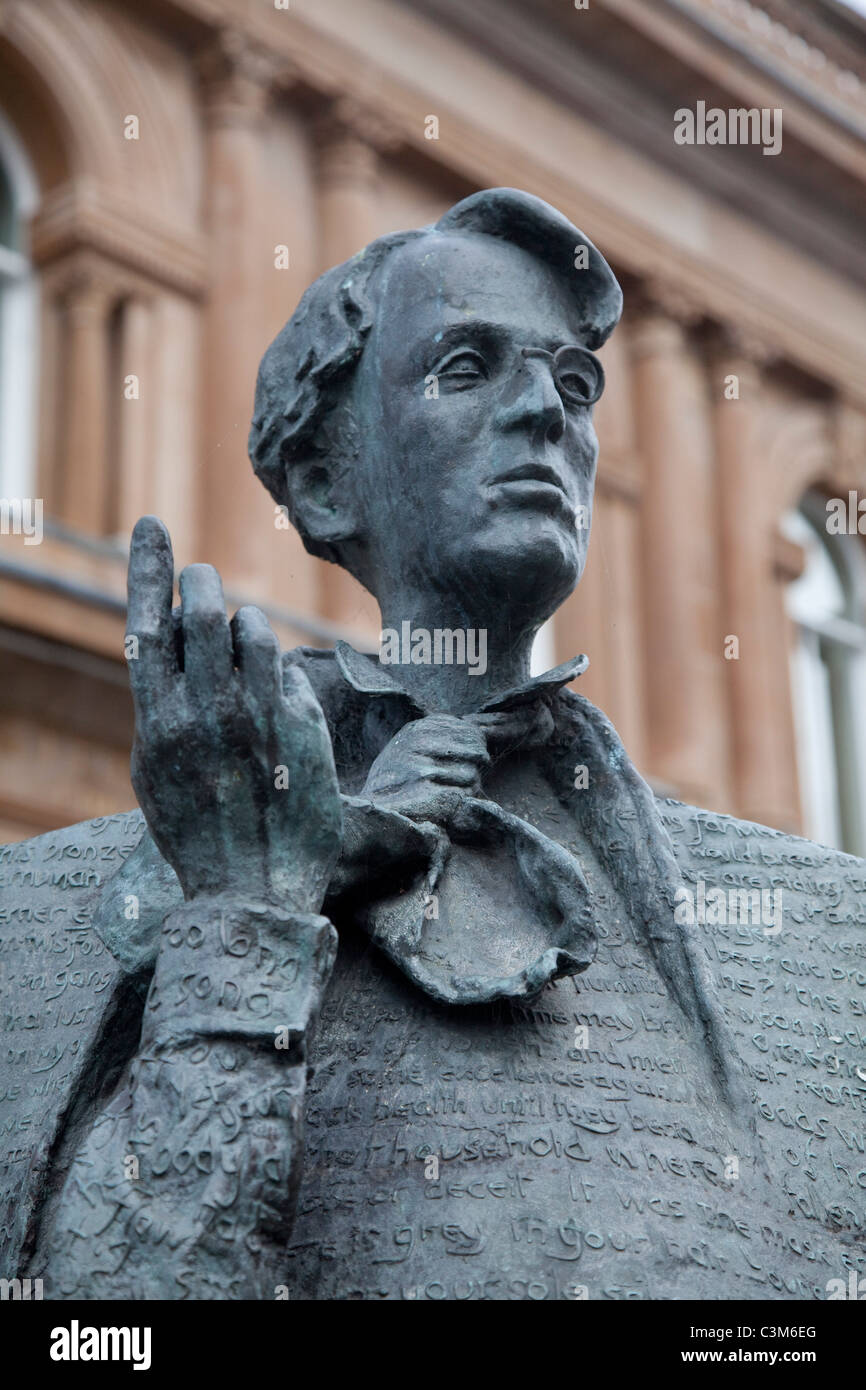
(81, 216)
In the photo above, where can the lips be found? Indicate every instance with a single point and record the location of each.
(534, 483)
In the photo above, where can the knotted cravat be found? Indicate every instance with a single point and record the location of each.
(501, 908)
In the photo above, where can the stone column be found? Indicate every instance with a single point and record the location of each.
(349, 139)
(754, 576)
(618, 501)
(785, 810)
(50, 385)
(84, 482)
(688, 751)
(602, 617)
(135, 462)
(236, 513)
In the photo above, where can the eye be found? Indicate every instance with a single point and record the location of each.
(579, 375)
(462, 368)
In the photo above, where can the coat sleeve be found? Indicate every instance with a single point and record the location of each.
(183, 1185)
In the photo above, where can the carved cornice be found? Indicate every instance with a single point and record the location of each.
(660, 317)
(345, 117)
(799, 40)
(329, 67)
(793, 44)
(238, 76)
(85, 218)
(660, 296)
(731, 345)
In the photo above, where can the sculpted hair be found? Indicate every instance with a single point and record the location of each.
(304, 374)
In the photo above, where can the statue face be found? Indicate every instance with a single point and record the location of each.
(478, 454)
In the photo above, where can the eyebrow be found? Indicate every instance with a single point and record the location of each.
(483, 331)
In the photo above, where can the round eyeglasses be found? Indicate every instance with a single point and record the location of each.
(578, 374)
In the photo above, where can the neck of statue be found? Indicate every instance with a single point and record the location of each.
(447, 661)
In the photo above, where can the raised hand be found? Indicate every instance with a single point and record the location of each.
(231, 765)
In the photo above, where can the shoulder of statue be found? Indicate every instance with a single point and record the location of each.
(577, 718)
(697, 833)
(571, 709)
(86, 839)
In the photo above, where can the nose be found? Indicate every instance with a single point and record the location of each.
(532, 402)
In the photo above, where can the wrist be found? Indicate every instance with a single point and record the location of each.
(279, 892)
(228, 966)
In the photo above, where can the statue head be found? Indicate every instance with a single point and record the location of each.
(426, 413)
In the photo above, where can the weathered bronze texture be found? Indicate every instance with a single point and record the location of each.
(567, 1040)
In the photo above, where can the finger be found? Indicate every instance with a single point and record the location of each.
(207, 640)
(257, 652)
(301, 699)
(507, 729)
(148, 621)
(509, 723)
(460, 739)
(437, 810)
(450, 756)
(449, 726)
(455, 775)
(505, 719)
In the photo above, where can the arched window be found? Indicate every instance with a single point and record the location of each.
(828, 606)
(18, 320)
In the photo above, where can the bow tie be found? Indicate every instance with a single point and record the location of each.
(502, 909)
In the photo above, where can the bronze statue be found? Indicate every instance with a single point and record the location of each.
(572, 1042)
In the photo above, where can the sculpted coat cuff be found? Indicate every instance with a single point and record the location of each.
(230, 969)
(197, 1155)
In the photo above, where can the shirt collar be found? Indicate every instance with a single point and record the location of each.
(367, 675)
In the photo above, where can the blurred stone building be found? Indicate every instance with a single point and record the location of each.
(174, 173)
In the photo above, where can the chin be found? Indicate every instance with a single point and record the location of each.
(533, 569)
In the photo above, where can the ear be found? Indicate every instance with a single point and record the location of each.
(321, 483)
(322, 500)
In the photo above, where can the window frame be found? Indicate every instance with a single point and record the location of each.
(828, 674)
(19, 328)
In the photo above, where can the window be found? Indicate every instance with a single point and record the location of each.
(828, 606)
(17, 320)
(544, 649)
